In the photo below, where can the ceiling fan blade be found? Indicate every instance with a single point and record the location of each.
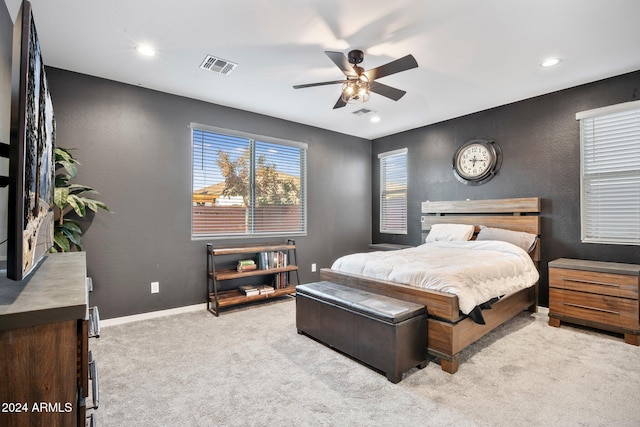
(342, 62)
(318, 84)
(405, 63)
(340, 103)
(388, 91)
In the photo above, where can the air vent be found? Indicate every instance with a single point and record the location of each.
(217, 65)
(362, 112)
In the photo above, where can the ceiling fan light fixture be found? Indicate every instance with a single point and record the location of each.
(356, 91)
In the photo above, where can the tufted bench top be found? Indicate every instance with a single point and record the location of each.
(381, 307)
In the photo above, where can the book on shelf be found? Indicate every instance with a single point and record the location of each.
(281, 280)
(246, 265)
(272, 259)
(265, 289)
(249, 290)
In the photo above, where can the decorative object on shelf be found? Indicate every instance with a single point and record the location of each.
(477, 161)
(70, 197)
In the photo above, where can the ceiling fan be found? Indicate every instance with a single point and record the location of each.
(358, 83)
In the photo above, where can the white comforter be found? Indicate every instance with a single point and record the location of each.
(475, 271)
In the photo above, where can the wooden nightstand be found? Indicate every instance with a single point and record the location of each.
(601, 295)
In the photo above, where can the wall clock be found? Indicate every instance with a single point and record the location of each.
(477, 161)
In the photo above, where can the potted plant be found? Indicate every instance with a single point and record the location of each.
(70, 197)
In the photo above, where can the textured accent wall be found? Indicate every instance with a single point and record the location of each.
(540, 142)
(135, 148)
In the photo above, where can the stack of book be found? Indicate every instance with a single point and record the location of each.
(249, 290)
(247, 265)
(265, 289)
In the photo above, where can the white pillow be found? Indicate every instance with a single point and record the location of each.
(526, 241)
(450, 232)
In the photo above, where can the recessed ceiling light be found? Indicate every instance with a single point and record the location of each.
(375, 119)
(550, 62)
(146, 50)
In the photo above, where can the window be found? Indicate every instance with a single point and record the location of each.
(246, 185)
(393, 192)
(610, 174)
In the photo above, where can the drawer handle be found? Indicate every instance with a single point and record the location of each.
(94, 322)
(590, 282)
(95, 386)
(89, 283)
(591, 308)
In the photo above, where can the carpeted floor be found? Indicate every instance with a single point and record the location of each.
(249, 367)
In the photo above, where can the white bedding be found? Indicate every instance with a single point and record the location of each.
(475, 271)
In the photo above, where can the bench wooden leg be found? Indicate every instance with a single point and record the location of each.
(554, 322)
(632, 339)
(451, 366)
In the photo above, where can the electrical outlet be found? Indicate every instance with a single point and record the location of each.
(155, 287)
(313, 267)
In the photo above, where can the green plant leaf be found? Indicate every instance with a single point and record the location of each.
(78, 189)
(70, 167)
(71, 225)
(60, 197)
(62, 180)
(73, 236)
(65, 159)
(102, 205)
(61, 240)
(95, 204)
(77, 204)
(68, 196)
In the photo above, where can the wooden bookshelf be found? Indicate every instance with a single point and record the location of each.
(282, 255)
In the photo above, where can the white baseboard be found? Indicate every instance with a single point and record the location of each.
(151, 315)
(185, 309)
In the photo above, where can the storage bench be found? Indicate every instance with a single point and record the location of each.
(385, 333)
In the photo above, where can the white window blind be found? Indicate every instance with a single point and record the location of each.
(393, 192)
(610, 174)
(246, 184)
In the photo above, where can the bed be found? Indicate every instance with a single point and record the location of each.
(452, 329)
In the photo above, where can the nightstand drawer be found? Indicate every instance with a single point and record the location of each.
(605, 309)
(616, 285)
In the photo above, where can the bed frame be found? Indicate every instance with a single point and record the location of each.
(450, 332)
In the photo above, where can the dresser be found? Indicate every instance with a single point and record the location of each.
(44, 345)
(596, 294)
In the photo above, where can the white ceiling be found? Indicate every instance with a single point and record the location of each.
(472, 54)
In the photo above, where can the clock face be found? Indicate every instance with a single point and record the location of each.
(477, 161)
(474, 161)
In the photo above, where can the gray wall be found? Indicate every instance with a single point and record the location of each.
(540, 142)
(134, 146)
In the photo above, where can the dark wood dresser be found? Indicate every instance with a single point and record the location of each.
(601, 295)
(44, 350)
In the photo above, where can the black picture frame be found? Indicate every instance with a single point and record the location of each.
(31, 153)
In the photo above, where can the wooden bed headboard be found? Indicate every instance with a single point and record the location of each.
(520, 214)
